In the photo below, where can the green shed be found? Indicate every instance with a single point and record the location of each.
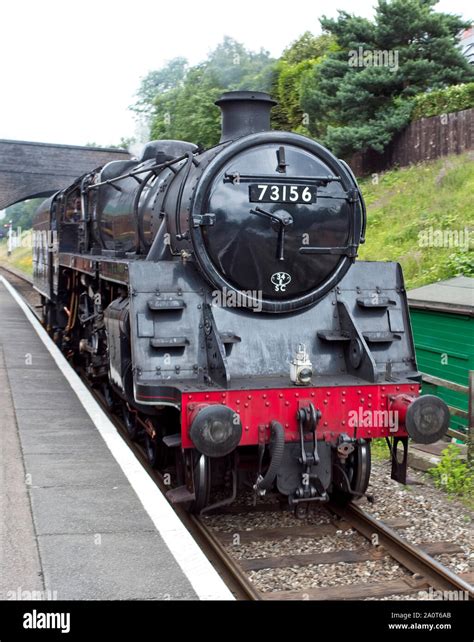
(442, 317)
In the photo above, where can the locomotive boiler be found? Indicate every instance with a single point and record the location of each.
(215, 298)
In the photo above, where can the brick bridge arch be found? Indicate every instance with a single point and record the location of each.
(30, 169)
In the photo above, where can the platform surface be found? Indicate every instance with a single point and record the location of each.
(71, 524)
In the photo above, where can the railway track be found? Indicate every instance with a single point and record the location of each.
(378, 540)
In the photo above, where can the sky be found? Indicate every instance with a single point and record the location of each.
(70, 70)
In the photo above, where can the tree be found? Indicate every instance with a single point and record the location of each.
(360, 95)
(21, 214)
(232, 67)
(157, 83)
(308, 47)
(188, 112)
(185, 110)
(296, 63)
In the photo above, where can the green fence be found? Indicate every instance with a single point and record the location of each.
(444, 345)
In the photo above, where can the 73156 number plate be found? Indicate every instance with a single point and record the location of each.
(268, 193)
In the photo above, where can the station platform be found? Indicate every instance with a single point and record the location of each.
(79, 516)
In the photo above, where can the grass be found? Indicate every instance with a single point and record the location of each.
(379, 450)
(404, 203)
(21, 257)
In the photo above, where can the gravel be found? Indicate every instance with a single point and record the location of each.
(347, 540)
(320, 576)
(432, 516)
(251, 521)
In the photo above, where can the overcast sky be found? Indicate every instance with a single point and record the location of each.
(69, 70)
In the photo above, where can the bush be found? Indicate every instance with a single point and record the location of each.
(443, 101)
(453, 474)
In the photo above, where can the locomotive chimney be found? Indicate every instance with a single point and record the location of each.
(244, 112)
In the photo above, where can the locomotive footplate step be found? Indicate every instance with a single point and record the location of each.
(80, 517)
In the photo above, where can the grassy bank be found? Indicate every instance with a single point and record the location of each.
(21, 257)
(405, 204)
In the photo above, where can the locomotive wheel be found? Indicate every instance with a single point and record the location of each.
(130, 420)
(152, 451)
(109, 397)
(201, 475)
(357, 470)
(202, 483)
(156, 451)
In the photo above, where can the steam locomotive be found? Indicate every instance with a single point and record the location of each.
(215, 298)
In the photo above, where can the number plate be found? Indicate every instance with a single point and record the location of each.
(268, 193)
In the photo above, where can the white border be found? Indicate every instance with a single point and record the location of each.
(197, 568)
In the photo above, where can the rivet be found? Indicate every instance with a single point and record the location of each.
(237, 401)
(267, 403)
(287, 403)
(325, 401)
(281, 395)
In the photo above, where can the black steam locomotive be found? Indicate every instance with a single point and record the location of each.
(216, 299)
